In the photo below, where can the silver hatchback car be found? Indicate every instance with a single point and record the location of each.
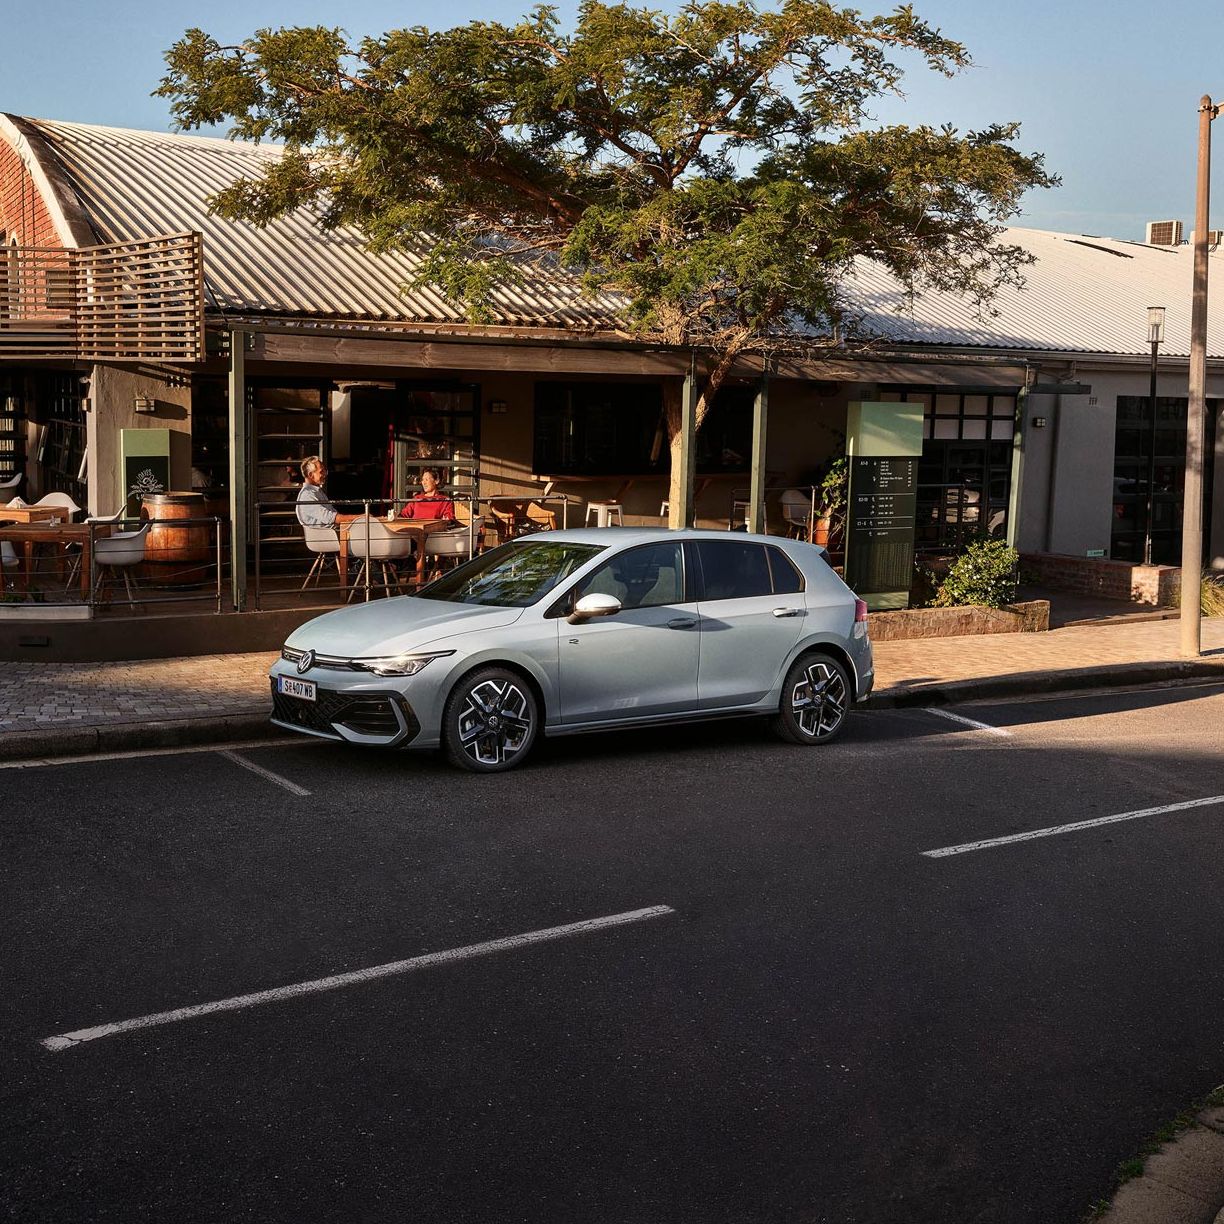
(571, 631)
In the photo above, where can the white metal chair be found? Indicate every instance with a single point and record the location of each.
(371, 540)
(120, 552)
(324, 543)
(9, 487)
(604, 512)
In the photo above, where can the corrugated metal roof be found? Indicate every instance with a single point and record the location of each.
(1082, 295)
(134, 184)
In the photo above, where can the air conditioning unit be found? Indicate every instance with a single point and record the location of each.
(1164, 233)
(1214, 237)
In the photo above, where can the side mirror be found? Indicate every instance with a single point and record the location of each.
(594, 605)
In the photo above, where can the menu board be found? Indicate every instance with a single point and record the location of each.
(880, 529)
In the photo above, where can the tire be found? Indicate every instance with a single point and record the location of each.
(816, 700)
(490, 721)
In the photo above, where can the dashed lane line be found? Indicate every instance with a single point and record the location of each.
(292, 787)
(68, 1041)
(991, 842)
(968, 722)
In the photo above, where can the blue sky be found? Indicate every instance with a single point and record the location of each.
(1107, 90)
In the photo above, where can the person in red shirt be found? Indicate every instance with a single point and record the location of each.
(430, 502)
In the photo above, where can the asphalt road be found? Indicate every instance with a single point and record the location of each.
(828, 1025)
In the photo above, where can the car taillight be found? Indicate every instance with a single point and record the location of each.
(860, 612)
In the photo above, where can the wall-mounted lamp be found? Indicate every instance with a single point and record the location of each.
(145, 405)
(498, 406)
(1039, 422)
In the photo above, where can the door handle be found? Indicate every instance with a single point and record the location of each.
(682, 622)
(780, 612)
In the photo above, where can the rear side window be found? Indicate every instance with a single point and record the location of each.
(733, 569)
(787, 580)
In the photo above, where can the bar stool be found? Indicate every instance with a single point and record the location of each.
(604, 512)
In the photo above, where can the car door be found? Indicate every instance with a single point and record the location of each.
(749, 619)
(642, 661)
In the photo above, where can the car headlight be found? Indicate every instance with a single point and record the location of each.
(401, 664)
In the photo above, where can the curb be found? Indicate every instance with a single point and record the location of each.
(1025, 683)
(128, 737)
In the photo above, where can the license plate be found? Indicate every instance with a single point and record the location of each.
(305, 689)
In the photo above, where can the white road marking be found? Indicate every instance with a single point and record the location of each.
(66, 1041)
(968, 722)
(89, 758)
(990, 842)
(292, 787)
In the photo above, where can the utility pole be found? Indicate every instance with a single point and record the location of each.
(1192, 501)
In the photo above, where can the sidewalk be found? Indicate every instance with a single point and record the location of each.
(53, 708)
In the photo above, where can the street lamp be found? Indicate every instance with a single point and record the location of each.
(1156, 316)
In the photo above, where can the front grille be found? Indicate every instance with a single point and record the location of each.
(362, 713)
(328, 662)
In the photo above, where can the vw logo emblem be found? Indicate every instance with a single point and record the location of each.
(306, 662)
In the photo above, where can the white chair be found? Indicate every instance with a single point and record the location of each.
(324, 543)
(453, 544)
(62, 501)
(8, 560)
(75, 549)
(8, 488)
(372, 541)
(604, 512)
(120, 552)
(797, 511)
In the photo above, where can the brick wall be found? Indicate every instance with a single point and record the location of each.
(1155, 586)
(911, 623)
(22, 212)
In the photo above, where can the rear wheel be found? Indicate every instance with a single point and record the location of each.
(815, 701)
(491, 721)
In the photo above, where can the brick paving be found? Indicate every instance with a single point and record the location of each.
(45, 696)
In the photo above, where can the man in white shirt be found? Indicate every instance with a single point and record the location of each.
(314, 508)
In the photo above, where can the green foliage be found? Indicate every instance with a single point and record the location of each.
(710, 166)
(834, 489)
(985, 575)
(1211, 595)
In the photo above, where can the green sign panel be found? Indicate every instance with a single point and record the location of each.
(146, 464)
(884, 444)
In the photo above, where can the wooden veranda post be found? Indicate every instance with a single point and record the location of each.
(760, 422)
(683, 513)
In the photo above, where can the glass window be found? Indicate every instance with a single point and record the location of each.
(787, 580)
(646, 577)
(512, 576)
(733, 569)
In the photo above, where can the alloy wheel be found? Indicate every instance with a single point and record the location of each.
(495, 722)
(819, 700)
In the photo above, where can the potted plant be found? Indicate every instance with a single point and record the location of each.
(831, 497)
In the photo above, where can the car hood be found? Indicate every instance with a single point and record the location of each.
(391, 626)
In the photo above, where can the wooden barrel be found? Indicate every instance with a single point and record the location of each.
(178, 555)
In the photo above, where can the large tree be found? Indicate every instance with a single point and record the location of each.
(716, 170)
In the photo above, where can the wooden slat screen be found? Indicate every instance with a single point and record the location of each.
(141, 300)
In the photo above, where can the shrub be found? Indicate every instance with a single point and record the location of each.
(1211, 595)
(985, 574)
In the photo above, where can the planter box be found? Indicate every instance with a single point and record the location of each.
(45, 612)
(1032, 616)
(1152, 586)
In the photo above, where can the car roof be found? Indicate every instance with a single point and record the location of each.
(619, 537)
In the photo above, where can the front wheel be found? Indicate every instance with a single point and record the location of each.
(815, 701)
(490, 722)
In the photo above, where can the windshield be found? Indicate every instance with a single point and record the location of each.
(513, 576)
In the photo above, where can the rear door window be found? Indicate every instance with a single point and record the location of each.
(733, 569)
(787, 580)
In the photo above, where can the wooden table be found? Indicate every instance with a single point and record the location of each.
(418, 529)
(32, 514)
(29, 534)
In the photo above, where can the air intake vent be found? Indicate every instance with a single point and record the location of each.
(1164, 233)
